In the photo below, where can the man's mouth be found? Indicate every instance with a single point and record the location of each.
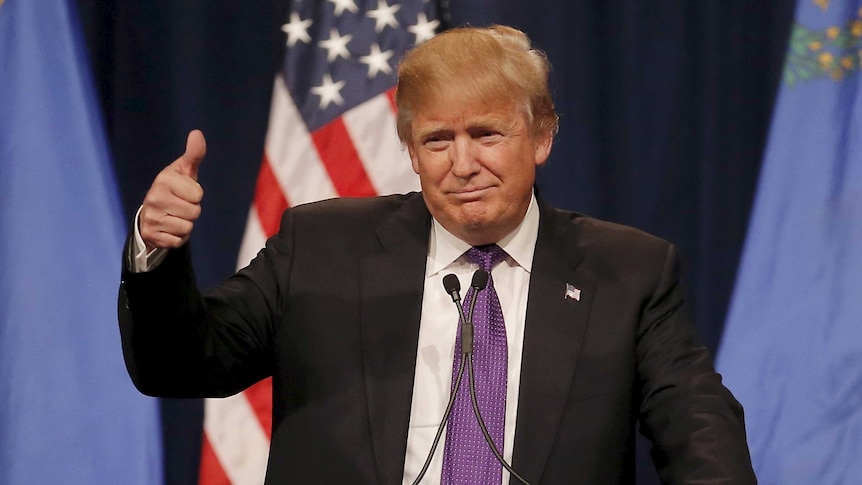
(470, 194)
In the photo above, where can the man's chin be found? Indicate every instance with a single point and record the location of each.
(475, 215)
(478, 229)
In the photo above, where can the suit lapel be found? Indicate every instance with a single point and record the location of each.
(553, 337)
(391, 284)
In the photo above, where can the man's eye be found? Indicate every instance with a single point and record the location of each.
(436, 143)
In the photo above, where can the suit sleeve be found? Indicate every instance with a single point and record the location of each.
(694, 422)
(180, 343)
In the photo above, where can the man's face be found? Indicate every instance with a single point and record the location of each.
(476, 163)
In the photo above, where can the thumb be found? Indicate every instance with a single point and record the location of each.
(196, 149)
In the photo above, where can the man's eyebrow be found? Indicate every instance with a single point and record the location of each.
(433, 130)
(495, 123)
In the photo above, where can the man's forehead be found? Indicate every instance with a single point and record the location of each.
(471, 114)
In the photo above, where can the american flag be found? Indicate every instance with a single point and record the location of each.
(331, 133)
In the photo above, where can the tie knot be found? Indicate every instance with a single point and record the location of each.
(486, 256)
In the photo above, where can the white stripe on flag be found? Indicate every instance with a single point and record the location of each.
(372, 129)
(252, 240)
(292, 154)
(244, 461)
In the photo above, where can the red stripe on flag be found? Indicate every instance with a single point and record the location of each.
(341, 161)
(390, 94)
(269, 200)
(211, 471)
(260, 398)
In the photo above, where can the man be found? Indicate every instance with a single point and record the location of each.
(346, 310)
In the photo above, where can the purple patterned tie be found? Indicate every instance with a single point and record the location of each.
(467, 459)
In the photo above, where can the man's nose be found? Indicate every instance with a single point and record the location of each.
(462, 154)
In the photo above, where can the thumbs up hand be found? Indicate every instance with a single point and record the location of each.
(173, 203)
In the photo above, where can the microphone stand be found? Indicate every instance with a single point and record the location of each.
(453, 286)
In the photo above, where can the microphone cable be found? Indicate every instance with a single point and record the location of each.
(484, 428)
(480, 281)
(453, 287)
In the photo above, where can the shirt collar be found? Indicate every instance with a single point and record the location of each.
(445, 248)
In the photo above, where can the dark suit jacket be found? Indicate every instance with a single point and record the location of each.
(331, 309)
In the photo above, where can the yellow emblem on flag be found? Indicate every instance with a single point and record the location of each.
(833, 52)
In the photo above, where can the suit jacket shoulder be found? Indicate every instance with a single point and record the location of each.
(607, 345)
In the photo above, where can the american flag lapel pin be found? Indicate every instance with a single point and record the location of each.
(572, 293)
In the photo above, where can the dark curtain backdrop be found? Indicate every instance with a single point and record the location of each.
(664, 104)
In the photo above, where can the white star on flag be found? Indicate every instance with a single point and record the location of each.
(384, 15)
(342, 5)
(377, 61)
(296, 29)
(329, 91)
(336, 45)
(572, 293)
(423, 29)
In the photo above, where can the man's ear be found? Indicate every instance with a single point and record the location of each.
(543, 148)
(413, 159)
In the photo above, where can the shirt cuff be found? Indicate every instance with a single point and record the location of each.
(142, 261)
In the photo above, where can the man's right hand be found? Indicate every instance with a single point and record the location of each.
(173, 202)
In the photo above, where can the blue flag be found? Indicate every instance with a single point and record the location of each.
(68, 411)
(792, 347)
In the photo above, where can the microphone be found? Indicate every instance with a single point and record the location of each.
(480, 280)
(452, 286)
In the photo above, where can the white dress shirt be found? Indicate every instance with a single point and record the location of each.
(434, 359)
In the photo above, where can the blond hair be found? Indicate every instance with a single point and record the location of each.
(487, 64)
